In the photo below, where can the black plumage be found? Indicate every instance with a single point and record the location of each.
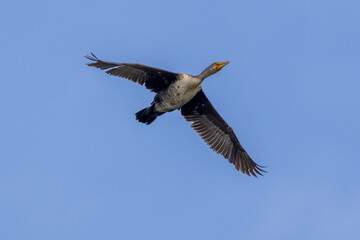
(183, 91)
(155, 79)
(213, 129)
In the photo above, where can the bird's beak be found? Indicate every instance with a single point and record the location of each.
(221, 65)
(226, 63)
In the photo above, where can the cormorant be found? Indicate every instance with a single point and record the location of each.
(183, 91)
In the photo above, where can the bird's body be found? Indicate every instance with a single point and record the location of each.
(184, 91)
(180, 92)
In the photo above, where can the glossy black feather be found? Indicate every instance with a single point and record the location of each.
(154, 79)
(213, 129)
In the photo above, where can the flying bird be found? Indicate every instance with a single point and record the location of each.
(181, 91)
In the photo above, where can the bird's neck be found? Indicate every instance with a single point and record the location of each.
(206, 73)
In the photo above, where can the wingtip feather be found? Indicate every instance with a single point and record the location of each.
(92, 57)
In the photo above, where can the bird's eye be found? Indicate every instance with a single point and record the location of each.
(219, 66)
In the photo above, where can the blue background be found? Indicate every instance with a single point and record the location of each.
(75, 164)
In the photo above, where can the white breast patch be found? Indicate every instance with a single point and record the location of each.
(178, 93)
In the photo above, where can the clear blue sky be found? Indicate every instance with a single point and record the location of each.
(75, 164)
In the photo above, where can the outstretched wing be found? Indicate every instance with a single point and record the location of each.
(154, 79)
(213, 129)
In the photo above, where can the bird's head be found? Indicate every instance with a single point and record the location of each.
(219, 65)
(212, 69)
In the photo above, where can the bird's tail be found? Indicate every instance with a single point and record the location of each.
(147, 115)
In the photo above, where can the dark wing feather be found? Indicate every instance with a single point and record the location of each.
(154, 79)
(213, 129)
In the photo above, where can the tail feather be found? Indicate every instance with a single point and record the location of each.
(147, 115)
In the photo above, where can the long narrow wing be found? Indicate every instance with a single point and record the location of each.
(213, 129)
(154, 79)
